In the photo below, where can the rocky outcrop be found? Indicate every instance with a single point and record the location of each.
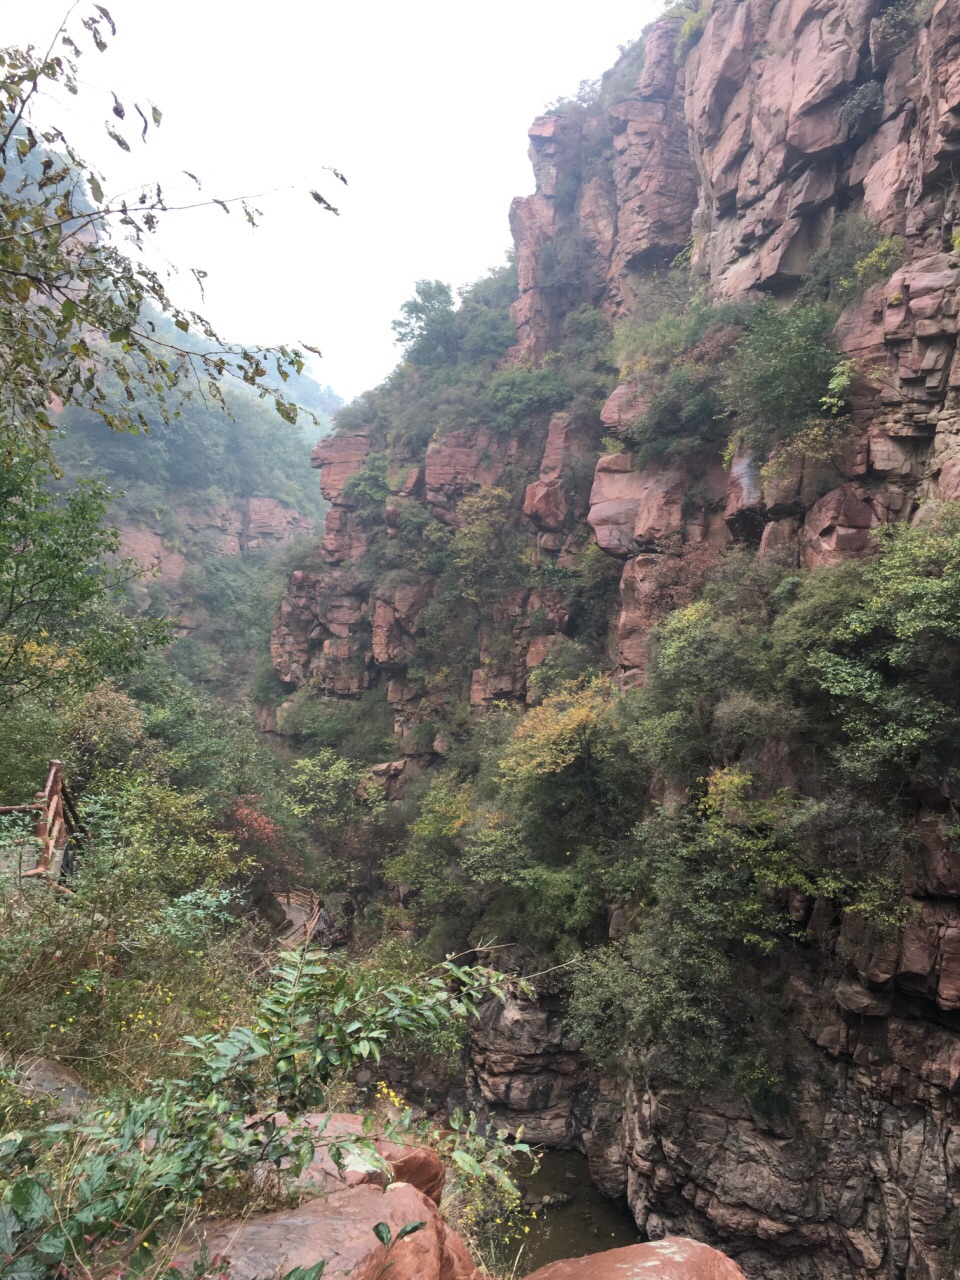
(461, 462)
(335, 1224)
(396, 610)
(219, 528)
(317, 639)
(321, 634)
(769, 97)
(203, 529)
(339, 635)
(618, 216)
(526, 1070)
(337, 1227)
(852, 1177)
(653, 170)
(782, 114)
(553, 500)
(531, 618)
(147, 547)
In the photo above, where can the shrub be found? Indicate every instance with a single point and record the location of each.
(674, 362)
(857, 256)
(63, 627)
(484, 323)
(780, 371)
(561, 262)
(693, 28)
(900, 20)
(369, 488)
(890, 662)
(681, 984)
(862, 110)
(99, 1191)
(519, 393)
(880, 262)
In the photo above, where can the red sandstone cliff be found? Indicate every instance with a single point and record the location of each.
(202, 530)
(743, 151)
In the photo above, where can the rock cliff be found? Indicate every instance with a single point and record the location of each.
(743, 153)
(221, 529)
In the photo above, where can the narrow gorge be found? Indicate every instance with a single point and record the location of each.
(729, 160)
(507, 825)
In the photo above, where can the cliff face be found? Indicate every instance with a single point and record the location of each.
(748, 150)
(206, 529)
(745, 153)
(227, 528)
(783, 115)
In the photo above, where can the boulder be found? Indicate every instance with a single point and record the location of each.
(47, 1078)
(338, 1230)
(674, 1258)
(627, 505)
(838, 526)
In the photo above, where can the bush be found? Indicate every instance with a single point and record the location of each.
(862, 110)
(484, 323)
(674, 362)
(361, 728)
(900, 20)
(681, 983)
(693, 28)
(857, 256)
(369, 487)
(890, 662)
(519, 393)
(780, 372)
(100, 1190)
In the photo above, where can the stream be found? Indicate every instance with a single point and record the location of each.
(587, 1223)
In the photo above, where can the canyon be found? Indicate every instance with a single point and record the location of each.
(741, 153)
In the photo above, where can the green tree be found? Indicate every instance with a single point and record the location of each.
(62, 625)
(890, 664)
(426, 327)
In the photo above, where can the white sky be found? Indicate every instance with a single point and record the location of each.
(423, 105)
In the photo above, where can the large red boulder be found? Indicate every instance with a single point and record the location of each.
(339, 1231)
(675, 1258)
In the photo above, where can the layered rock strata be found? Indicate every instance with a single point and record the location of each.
(338, 635)
(237, 528)
(782, 115)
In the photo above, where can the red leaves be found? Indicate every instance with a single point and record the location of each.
(261, 837)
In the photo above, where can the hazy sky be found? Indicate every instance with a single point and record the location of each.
(423, 105)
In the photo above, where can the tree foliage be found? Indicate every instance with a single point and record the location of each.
(62, 586)
(76, 290)
(426, 325)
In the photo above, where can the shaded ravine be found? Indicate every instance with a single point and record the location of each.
(585, 1222)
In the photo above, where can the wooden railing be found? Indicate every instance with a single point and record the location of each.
(56, 825)
(303, 913)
